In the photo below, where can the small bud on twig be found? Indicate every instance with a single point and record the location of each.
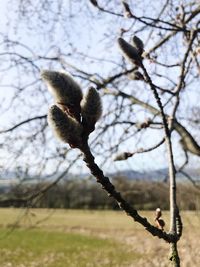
(123, 156)
(136, 75)
(159, 222)
(94, 3)
(158, 213)
(127, 11)
(129, 52)
(122, 31)
(65, 127)
(145, 124)
(91, 109)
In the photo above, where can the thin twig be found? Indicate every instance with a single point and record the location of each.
(126, 155)
(172, 172)
(22, 123)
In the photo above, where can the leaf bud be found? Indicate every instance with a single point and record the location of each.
(94, 3)
(123, 156)
(136, 75)
(127, 11)
(158, 213)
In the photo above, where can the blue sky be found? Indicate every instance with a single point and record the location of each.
(88, 38)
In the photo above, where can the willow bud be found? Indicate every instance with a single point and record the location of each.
(127, 11)
(94, 3)
(160, 223)
(158, 213)
(129, 52)
(64, 89)
(138, 44)
(91, 109)
(123, 156)
(136, 75)
(64, 126)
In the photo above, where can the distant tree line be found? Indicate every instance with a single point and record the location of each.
(85, 194)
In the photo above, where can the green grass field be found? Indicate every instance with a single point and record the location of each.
(62, 238)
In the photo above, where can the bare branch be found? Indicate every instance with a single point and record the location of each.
(23, 122)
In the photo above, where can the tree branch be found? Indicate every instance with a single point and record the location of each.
(110, 189)
(23, 122)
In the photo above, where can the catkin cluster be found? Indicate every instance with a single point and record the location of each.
(133, 52)
(74, 115)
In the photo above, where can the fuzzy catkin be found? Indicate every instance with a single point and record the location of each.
(64, 126)
(138, 44)
(91, 107)
(129, 52)
(63, 87)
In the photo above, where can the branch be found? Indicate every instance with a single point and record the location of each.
(126, 155)
(170, 154)
(191, 144)
(23, 122)
(153, 22)
(110, 189)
